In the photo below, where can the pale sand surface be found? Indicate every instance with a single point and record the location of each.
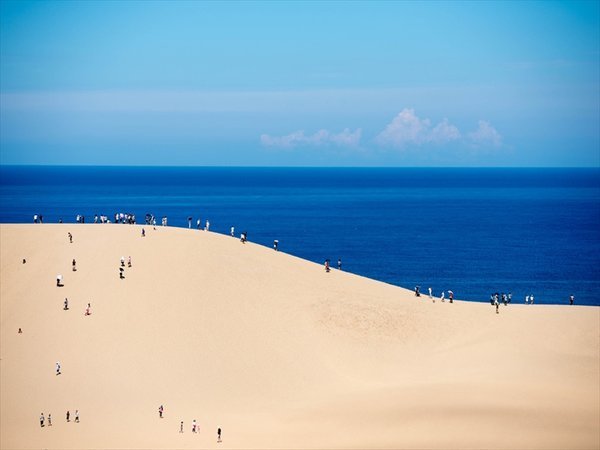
(274, 351)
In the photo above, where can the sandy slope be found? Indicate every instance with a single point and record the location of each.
(274, 351)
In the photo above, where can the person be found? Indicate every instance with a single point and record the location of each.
(232, 231)
(122, 261)
(41, 419)
(429, 289)
(531, 299)
(87, 310)
(77, 416)
(451, 296)
(417, 293)
(66, 304)
(194, 426)
(243, 237)
(275, 244)
(492, 299)
(59, 280)
(509, 297)
(68, 416)
(327, 265)
(144, 232)
(497, 303)
(129, 261)
(35, 218)
(160, 411)
(74, 265)
(527, 299)
(442, 296)
(339, 263)
(190, 222)
(571, 299)
(49, 420)
(121, 270)
(207, 227)
(57, 368)
(24, 260)
(198, 222)
(218, 435)
(70, 237)
(181, 427)
(20, 331)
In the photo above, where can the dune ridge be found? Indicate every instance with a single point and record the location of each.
(273, 350)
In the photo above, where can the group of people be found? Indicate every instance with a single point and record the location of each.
(431, 297)
(38, 218)
(122, 268)
(43, 419)
(328, 267)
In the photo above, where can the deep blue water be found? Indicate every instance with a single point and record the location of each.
(475, 231)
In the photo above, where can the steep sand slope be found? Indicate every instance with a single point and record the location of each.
(273, 350)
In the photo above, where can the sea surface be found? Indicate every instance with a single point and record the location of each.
(472, 231)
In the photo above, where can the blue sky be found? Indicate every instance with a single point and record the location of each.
(300, 83)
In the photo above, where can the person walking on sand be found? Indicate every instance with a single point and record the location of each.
(497, 303)
(430, 295)
(87, 310)
(327, 265)
(160, 411)
(275, 244)
(57, 368)
(451, 296)
(339, 263)
(49, 420)
(232, 231)
(59, 280)
(66, 304)
(571, 299)
(181, 427)
(144, 232)
(531, 299)
(68, 416)
(74, 265)
(207, 227)
(194, 426)
(218, 435)
(70, 237)
(190, 222)
(442, 296)
(76, 416)
(198, 222)
(121, 270)
(42, 420)
(129, 261)
(122, 261)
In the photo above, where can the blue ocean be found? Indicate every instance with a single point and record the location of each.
(473, 231)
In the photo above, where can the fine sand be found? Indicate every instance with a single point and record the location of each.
(273, 350)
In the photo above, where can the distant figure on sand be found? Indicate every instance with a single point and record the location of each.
(181, 427)
(531, 299)
(327, 265)
(190, 222)
(442, 296)
(244, 237)
(218, 435)
(207, 227)
(66, 304)
(430, 296)
(198, 223)
(143, 233)
(497, 303)
(24, 260)
(121, 270)
(194, 426)
(571, 299)
(68, 416)
(275, 244)
(527, 299)
(339, 263)
(451, 296)
(417, 293)
(122, 261)
(232, 231)
(74, 265)
(70, 237)
(129, 261)
(20, 331)
(49, 420)
(41, 419)
(160, 411)
(57, 368)
(59, 280)
(77, 416)
(87, 310)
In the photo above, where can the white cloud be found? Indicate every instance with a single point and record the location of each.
(485, 135)
(407, 128)
(346, 138)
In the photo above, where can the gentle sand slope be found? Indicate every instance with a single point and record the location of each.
(273, 350)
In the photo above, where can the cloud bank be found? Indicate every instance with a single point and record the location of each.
(346, 138)
(406, 130)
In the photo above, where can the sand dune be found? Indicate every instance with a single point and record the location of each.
(273, 350)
